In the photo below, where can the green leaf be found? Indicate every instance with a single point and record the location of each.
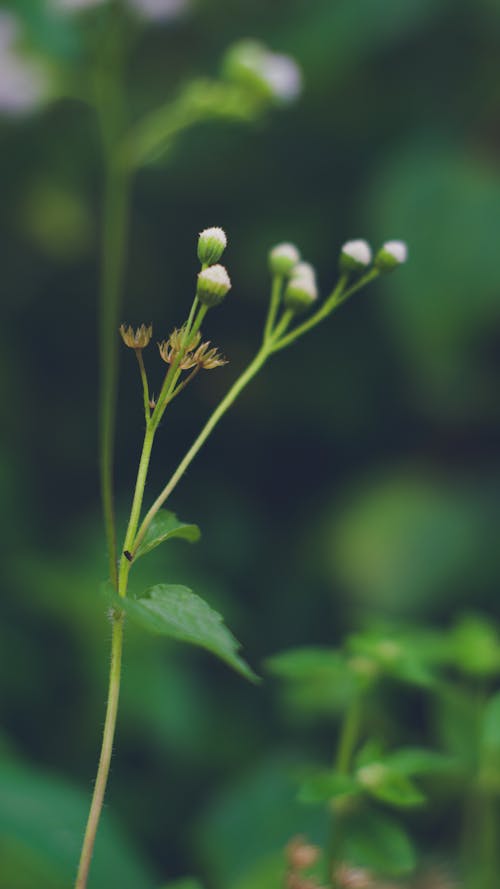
(375, 841)
(324, 786)
(389, 786)
(164, 526)
(305, 663)
(175, 611)
(418, 761)
(489, 775)
(476, 647)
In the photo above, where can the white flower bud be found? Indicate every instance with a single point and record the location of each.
(273, 75)
(390, 255)
(283, 259)
(211, 245)
(301, 290)
(213, 284)
(355, 256)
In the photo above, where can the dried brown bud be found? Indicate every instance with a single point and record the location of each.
(197, 356)
(136, 339)
(301, 854)
(347, 877)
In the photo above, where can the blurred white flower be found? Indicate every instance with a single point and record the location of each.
(283, 76)
(159, 10)
(23, 83)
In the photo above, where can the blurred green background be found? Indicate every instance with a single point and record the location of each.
(358, 477)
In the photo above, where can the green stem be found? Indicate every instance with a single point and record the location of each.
(336, 298)
(349, 735)
(273, 305)
(145, 387)
(175, 369)
(115, 227)
(218, 413)
(105, 757)
(135, 511)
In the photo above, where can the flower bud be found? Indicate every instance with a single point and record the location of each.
(271, 75)
(211, 245)
(213, 284)
(301, 290)
(355, 256)
(390, 255)
(283, 259)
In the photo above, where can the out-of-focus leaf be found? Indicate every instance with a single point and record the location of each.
(401, 654)
(165, 526)
(319, 680)
(444, 203)
(175, 611)
(327, 785)
(389, 785)
(268, 873)
(489, 742)
(248, 826)
(374, 840)
(475, 646)
(418, 761)
(405, 539)
(42, 819)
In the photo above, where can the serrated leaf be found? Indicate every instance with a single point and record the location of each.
(165, 526)
(175, 611)
(377, 842)
(324, 786)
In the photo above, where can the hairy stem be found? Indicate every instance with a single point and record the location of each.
(105, 757)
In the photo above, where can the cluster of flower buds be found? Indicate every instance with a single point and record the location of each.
(301, 289)
(271, 75)
(357, 256)
(213, 280)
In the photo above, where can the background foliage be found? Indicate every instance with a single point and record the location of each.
(357, 481)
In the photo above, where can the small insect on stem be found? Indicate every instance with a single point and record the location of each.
(128, 555)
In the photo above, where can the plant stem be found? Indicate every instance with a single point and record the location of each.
(218, 413)
(273, 305)
(145, 387)
(115, 226)
(135, 511)
(105, 757)
(349, 734)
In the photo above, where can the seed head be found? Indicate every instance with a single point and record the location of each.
(355, 256)
(211, 245)
(283, 259)
(213, 285)
(390, 255)
(136, 339)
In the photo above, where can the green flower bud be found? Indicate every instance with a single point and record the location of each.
(301, 290)
(283, 259)
(213, 284)
(355, 256)
(390, 255)
(211, 245)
